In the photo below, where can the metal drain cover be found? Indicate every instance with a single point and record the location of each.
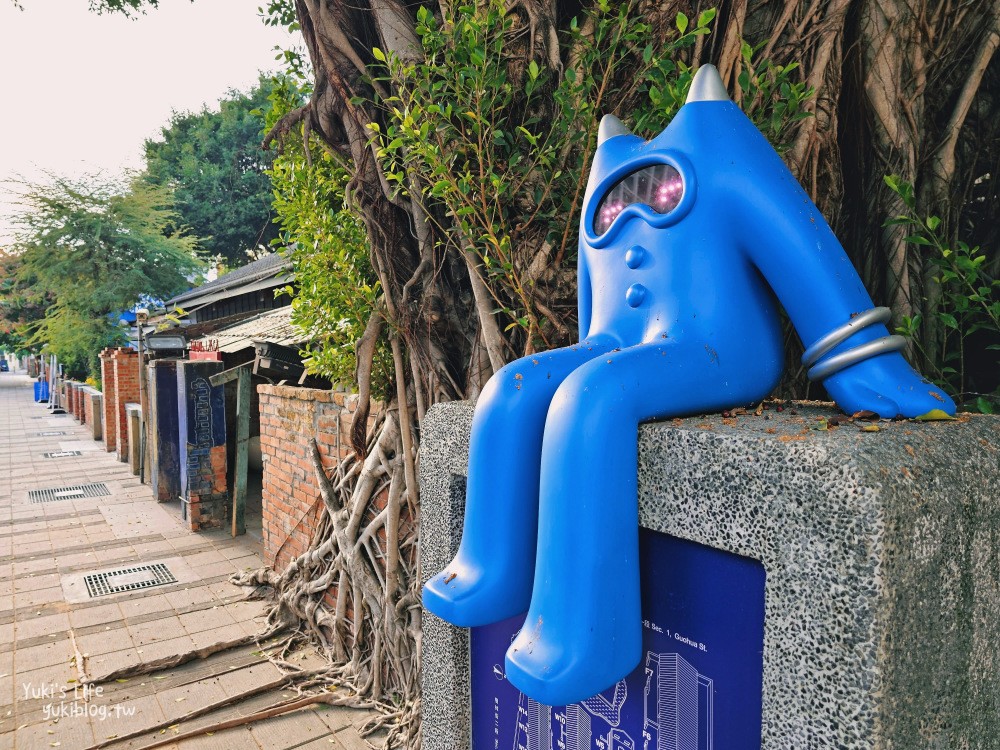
(50, 433)
(68, 493)
(128, 579)
(61, 454)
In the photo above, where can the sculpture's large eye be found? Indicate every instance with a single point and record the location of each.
(660, 187)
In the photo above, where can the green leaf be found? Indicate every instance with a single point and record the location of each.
(682, 22)
(533, 70)
(984, 405)
(948, 319)
(378, 54)
(706, 17)
(916, 239)
(933, 222)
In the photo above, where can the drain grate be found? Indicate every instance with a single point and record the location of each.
(128, 579)
(61, 454)
(68, 493)
(50, 433)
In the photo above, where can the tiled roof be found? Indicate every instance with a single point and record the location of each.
(269, 265)
(274, 326)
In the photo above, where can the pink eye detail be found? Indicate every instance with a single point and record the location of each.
(659, 187)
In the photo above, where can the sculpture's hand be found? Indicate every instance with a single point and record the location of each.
(888, 386)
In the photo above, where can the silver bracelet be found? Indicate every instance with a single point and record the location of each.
(838, 335)
(837, 363)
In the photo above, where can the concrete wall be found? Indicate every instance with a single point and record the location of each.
(882, 559)
(93, 406)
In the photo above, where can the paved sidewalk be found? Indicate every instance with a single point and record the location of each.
(46, 549)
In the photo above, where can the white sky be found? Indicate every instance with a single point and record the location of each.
(80, 92)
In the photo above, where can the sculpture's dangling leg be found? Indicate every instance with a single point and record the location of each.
(583, 630)
(490, 577)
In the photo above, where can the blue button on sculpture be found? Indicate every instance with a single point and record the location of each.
(687, 245)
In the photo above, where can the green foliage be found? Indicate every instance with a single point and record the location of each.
(335, 289)
(128, 8)
(91, 249)
(496, 147)
(214, 163)
(770, 95)
(969, 299)
(18, 305)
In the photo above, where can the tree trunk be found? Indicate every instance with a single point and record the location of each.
(901, 87)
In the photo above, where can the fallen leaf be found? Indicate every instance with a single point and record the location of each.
(866, 415)
(870, 428)
(935, 415)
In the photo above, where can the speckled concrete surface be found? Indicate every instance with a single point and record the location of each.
(444, 458)
(882, 552)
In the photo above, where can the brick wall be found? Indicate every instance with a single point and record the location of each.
(81, 406)
(109, 417)
(88, 407)
(289, 419)
(126, 364)
(67, 396)
(90, 396)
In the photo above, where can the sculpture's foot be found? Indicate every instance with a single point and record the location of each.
(559, 668)
(888, 386)
(471, 595)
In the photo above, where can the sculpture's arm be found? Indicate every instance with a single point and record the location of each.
(848, 347)
(793, 247)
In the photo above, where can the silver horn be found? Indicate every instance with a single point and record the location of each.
(610, 127)
(707, 86)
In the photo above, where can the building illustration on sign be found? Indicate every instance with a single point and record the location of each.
(699, 683)
(540, 727)
(679, 705)
(678, 714)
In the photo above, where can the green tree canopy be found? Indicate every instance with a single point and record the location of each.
(213, 161)
(90, 248)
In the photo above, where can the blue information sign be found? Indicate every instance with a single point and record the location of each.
(698, 686)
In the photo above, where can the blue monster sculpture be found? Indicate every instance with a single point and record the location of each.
(687, 245)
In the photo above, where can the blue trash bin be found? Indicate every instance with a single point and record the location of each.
(38, 391)
(44, 391)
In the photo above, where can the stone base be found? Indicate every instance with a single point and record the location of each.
(881, 549)
(133, 449)
(93, 405)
